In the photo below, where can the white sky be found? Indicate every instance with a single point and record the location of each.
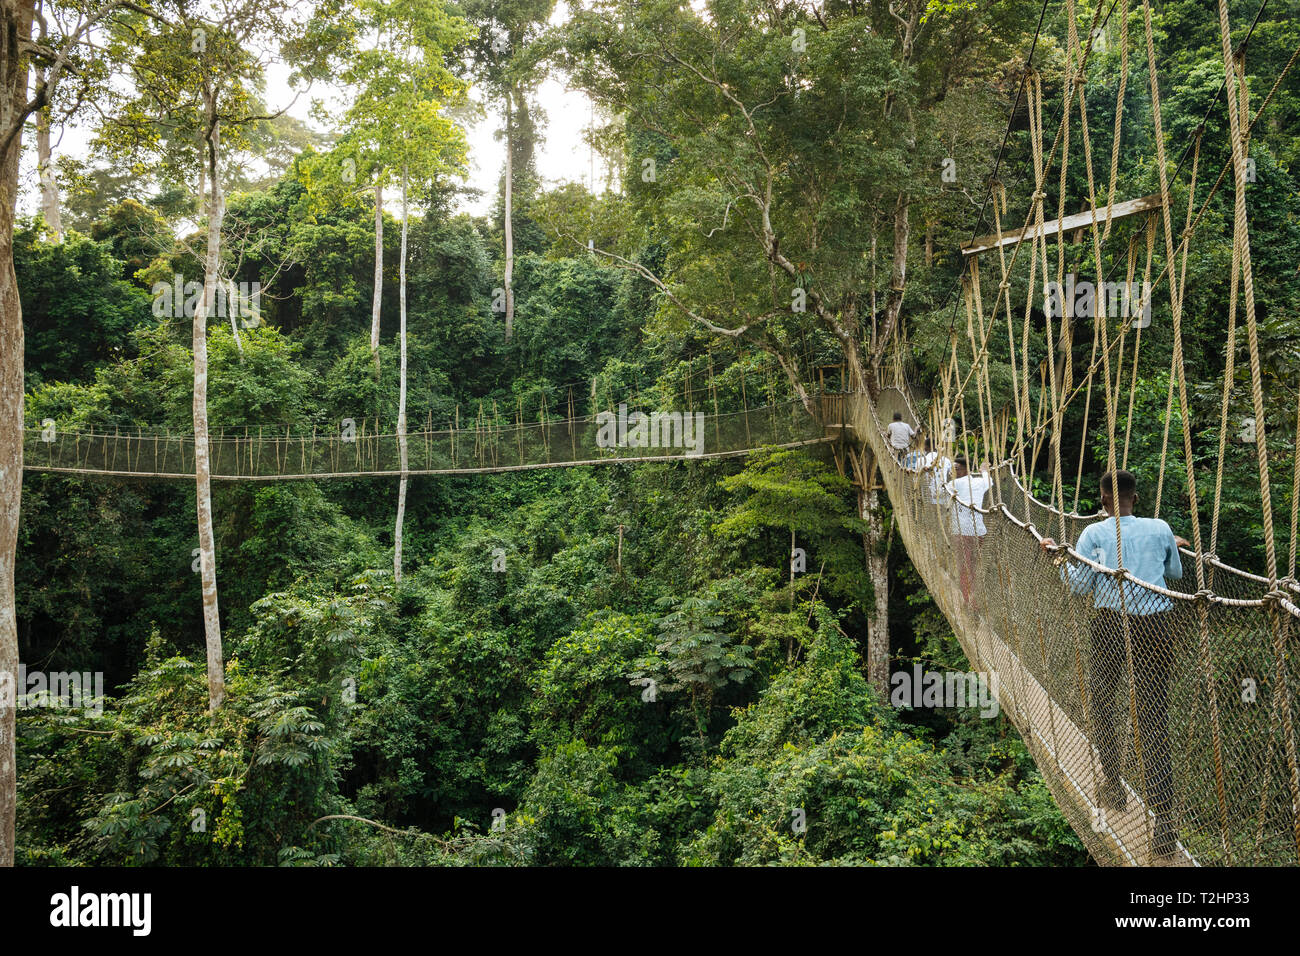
(561, 155)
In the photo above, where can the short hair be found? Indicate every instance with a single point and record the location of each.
(960, 460)
(898, 416)
(928, 445)
(1125, 482)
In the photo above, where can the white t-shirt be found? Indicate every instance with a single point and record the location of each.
(900, 435)
(938, 476)
(967, 491)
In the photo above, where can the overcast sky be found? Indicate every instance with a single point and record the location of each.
(561, 156)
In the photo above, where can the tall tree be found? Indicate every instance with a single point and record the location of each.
(504, 61)
(398, 121)
(15, 33)
(18, 53)
(83, 86)
(404, 64)
(782, 135)
(197, 78)
(45, 170)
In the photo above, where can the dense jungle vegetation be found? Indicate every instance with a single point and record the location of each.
(603, 665)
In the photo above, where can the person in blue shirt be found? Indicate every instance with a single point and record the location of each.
(1150, 553)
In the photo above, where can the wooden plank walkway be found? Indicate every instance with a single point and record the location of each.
(415, 472)
(1047, 728)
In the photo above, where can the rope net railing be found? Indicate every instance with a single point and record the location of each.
(481, 445)
(1157, 725)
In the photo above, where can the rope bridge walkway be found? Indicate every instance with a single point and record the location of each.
(351, 451)
(1222, 766)
(1161, 716)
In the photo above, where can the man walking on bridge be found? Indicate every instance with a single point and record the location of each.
(900, 435)
(1150, 554)
(967, 524)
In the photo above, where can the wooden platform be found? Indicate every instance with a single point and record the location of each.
(1079, 220)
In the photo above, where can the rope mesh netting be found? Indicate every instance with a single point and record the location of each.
(1164, 730)
(276, 453)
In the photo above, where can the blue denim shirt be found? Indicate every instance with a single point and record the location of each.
(1150, 554)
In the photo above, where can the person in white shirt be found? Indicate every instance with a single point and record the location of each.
(938, 467)
(967, 524)
(900, 435)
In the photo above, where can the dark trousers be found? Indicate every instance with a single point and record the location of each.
(1152, 640)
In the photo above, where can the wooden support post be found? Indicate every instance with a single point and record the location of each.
(744, 403)
(573, 427)
(713, 390)
(546, 435)
(1055, 227)
(496, 432)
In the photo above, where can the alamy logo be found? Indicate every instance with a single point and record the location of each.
(53, 689)
(73, 909)
(237, 301)
(919, 688)
(653, 430)
(1082, 300)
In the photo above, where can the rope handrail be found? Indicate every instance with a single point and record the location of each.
(1000, 507)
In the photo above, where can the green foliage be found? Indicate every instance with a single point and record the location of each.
(583, 691)
(692, 655)
(179, 786)
(817, 772)
(791, 491)
(78, 313)
(136, 234)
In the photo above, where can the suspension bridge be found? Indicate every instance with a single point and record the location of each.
(353, 449)
(1162, 722)
(1172, 741)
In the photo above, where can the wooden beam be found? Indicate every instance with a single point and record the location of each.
(1055, 227)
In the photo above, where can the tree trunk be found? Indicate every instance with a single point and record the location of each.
(45, 170)
(15, 27)
(897, 280)
(202, 465)
(401, 395)
(509, 220)
(878, 570)
(233, 311)
(792, 547)
(376, 300)
(203, 172)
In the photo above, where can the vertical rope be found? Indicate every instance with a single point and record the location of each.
(1119, 114)
(1241, 236)
(1176, 297)
(1295, 491)
(1143, 305)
